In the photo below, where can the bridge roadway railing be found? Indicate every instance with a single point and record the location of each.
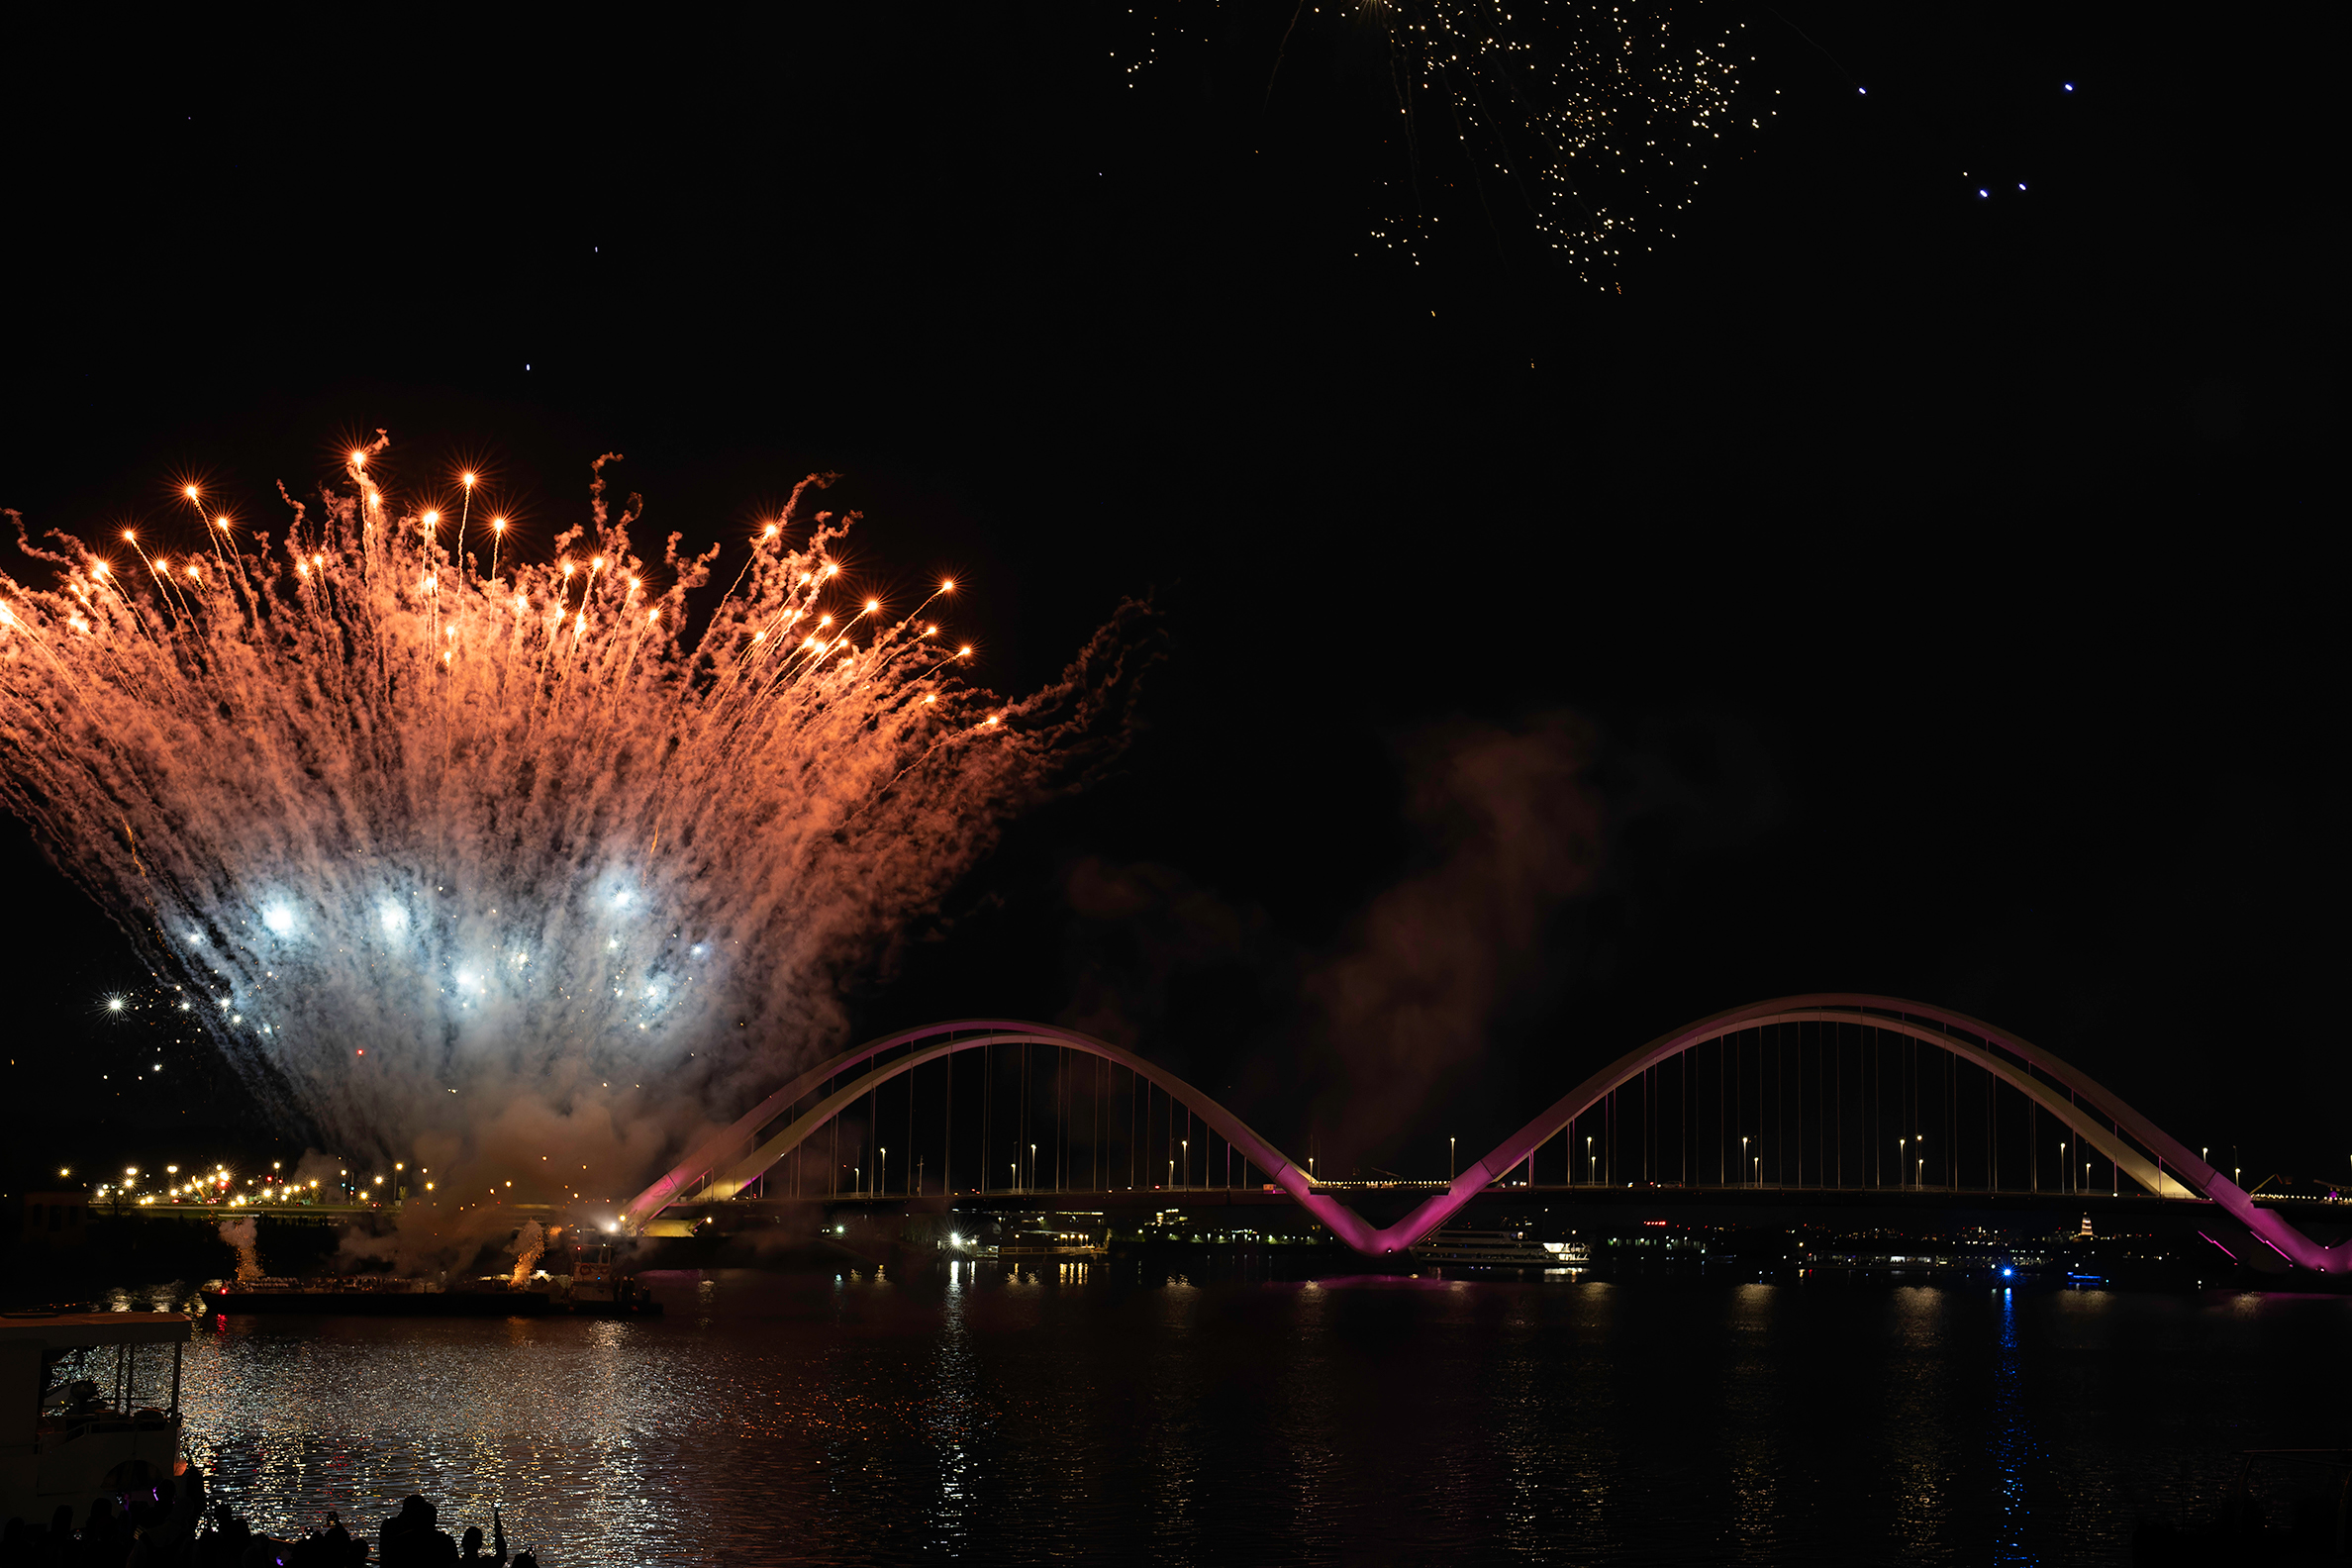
(732, 1159)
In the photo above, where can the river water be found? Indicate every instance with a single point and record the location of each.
(1092, 1415)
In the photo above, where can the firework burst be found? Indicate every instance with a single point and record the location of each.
(420, 826)
(1590, 125)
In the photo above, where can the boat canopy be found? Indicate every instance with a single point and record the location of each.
(68, 1330)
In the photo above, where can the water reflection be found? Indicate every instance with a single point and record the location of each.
(1752, 1444)
(1084, 1411)
(2012, 1438)
(1920, 1413)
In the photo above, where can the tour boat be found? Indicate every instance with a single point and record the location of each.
(1498, 1249)
(72, 1378)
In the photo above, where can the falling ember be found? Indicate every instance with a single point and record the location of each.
(644, 849)
(1597, 123)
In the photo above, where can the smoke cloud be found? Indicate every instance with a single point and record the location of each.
(245, 1236)
(1548, 852)
(1517, 829)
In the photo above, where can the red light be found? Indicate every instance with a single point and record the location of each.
(362, 1051)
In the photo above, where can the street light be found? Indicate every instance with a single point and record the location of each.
(1743, 1153)
(2062, 1171)
(1186, 1146)
(1589, 1176)
(1450, 1172)
(882, 1167)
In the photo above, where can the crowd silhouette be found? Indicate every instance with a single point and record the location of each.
(166, 1525)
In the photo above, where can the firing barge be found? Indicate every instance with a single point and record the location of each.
(595, 1288)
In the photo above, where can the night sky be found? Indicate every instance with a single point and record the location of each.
(1880, 586)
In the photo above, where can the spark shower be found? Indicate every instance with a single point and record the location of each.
(418, 829)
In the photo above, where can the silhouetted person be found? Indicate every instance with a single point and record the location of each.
(224, 1545)
(99, 1528)
(469, 1548)
(339, 1544)
(169, 1523)
(410, 1540)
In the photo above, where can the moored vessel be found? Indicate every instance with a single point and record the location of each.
(79, 1432)
(1510, 1249)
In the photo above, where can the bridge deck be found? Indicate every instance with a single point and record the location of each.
(1130, 1199)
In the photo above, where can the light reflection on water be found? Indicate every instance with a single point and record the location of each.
(997, 1416)
(2013, 1437)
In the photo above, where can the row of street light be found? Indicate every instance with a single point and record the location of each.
(218, 1187)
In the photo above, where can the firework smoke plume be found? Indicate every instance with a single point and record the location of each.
(529, 1243)
(245, 1236)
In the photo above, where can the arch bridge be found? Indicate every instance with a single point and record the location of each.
(1827, 1091)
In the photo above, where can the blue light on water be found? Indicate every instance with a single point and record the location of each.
(2011, 1438)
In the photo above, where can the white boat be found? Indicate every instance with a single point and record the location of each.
(73, 1379)
(1498, 1249)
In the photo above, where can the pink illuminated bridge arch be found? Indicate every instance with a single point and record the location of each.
(733, 1159)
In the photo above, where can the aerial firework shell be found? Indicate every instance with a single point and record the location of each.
(406, 835)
